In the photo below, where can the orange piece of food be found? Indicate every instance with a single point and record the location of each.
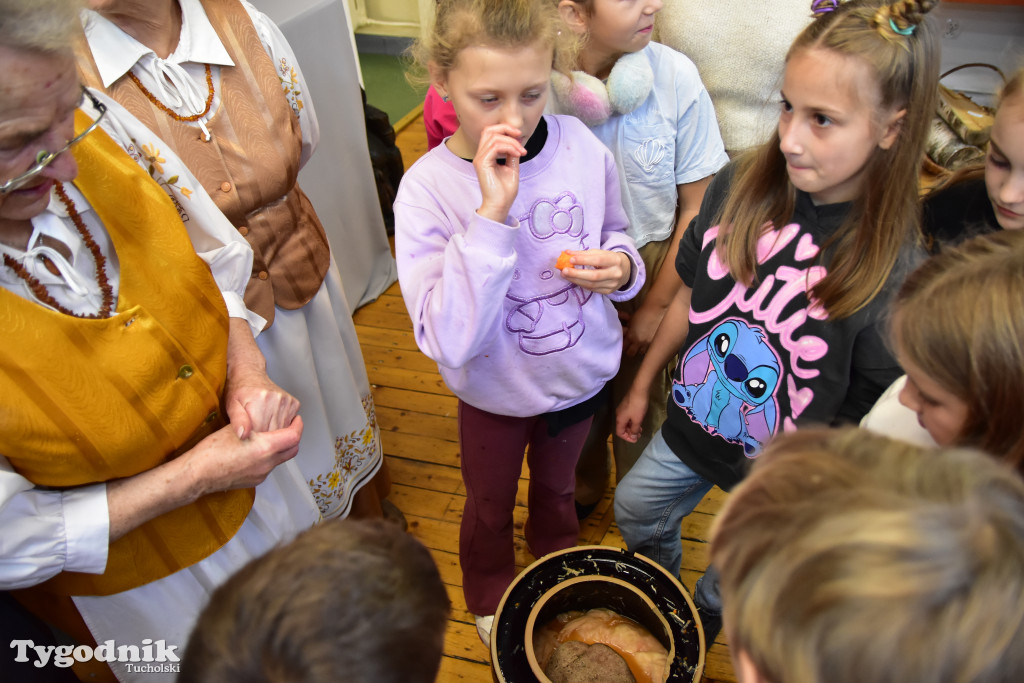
(563, 260)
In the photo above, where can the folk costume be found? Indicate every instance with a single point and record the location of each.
(232, 103)
(91, 400)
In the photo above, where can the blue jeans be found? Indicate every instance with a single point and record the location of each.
(650, 504)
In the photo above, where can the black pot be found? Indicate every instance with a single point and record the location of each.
(584, 578)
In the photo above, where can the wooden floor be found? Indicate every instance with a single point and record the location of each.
(417, 416)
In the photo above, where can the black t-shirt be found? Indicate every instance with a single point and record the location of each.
(766, 359)
(958, 212)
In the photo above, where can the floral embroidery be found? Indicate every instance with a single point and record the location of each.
(290, 82)
(148, 156)
(152, 155)
(355, 456)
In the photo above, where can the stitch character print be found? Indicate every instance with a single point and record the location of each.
(729, 378)
(545, 321)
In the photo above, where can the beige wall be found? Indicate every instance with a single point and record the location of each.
(391, 17)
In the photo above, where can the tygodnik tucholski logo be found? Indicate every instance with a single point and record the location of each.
(149, 657)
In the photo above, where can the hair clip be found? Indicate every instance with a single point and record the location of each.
(902, 31)
(824, 6)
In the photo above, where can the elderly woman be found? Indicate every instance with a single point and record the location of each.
(217, 80)
(137, 418)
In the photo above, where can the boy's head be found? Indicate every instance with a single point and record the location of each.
(352, 600)
(846, 556)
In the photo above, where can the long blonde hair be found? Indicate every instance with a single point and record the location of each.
(848, 557)
(960, 319)
(886, 214)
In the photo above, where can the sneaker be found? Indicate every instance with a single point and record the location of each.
(483, 628)
(712, 624)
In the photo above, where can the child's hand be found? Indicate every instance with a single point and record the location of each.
(630, 415)
(499, 183)
(639, 328)
(608, 270)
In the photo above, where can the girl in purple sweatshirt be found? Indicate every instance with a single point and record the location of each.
(480, 223)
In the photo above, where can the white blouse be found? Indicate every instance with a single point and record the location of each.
(179, 81)
(48, 531)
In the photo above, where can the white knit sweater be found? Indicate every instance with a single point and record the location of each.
(739, 49)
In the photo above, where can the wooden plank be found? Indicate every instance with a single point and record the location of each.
(371, 316)
(390, 304)
(396, 421)
(425, 502)
(398, 358)
(423, 474)
(426, 449)
(386, 337)
(462, 641)
(432, 404)
(427, 382)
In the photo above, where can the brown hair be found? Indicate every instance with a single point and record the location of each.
(353, 600)
(498, 23)
(886, 214)
(960, 319)
(849, 557)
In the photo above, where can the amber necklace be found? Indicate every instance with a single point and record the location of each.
(101, 271)
(170, 112)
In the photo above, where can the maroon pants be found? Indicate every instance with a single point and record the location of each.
(492, 460)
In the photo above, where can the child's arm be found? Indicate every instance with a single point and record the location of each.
(666, 343)
(615, 269)
(641, 326)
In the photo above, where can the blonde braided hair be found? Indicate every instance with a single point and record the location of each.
(905, 15)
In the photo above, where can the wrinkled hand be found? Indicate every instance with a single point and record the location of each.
(222, 461)
(255, 404)
(608, 270)
(639, 328)
(630, 415)
(499, 183)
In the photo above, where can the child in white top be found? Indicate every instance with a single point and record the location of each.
(957, 323)
(647, 104)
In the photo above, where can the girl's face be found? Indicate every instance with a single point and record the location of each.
(831, 123)
(940, 412)
(1004, 164)
(619, 26)
(492, 85)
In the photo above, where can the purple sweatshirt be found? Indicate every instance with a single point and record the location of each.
(510, 335)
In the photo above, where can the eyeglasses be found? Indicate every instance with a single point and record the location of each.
(44, 158)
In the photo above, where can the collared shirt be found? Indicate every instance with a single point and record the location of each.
(179, 81)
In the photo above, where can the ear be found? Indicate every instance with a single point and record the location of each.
(438, 79)
(892, 128)
(573, 16)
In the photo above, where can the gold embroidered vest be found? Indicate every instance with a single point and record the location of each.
(90, 401)
(250, 166)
